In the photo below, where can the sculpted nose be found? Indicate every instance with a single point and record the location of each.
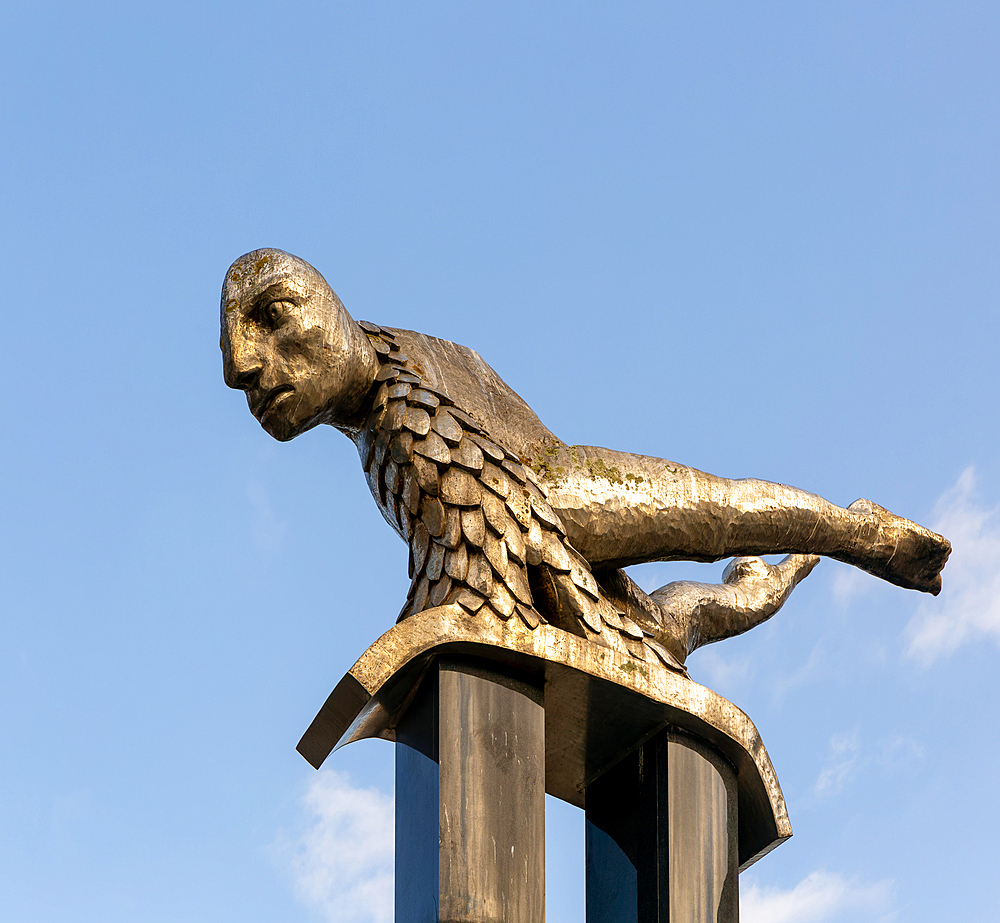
(241, 367)
(245, 380)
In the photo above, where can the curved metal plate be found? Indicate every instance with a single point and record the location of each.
(599, 705)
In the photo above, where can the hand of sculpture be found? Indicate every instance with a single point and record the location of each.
(501, 516)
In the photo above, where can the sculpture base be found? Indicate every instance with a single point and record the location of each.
(470, 799)
(662, 835)
(487, 716)
(600, 705)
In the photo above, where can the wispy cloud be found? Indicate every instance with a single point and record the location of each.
(901, 754)
(819, 897)
(268, 529)
(849, 583)
(722, 669)
(341, 863)
(969, 606)
(845, 753)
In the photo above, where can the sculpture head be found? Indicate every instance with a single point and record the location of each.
(289, 343)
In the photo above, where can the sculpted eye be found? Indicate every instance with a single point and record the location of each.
(274, 311)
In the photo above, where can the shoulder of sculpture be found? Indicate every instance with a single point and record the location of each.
(467, 381)
(423, 345)
(430, 359)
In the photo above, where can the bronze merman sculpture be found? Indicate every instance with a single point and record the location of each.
(507, 521)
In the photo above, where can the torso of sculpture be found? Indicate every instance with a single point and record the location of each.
(504, 519)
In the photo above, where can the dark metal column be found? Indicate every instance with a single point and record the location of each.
(662, 836)
(477, 813)
(416, 892)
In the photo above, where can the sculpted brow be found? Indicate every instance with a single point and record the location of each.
(277, 291)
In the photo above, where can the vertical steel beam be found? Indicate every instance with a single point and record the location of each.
(416, 890)
(470, 789)
(662, 836)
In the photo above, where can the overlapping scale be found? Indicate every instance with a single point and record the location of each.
(473, 515)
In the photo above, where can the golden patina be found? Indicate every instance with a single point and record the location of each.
(442, 438)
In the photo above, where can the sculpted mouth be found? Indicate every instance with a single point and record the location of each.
(262, 406)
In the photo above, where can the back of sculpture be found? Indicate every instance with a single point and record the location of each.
(504, 520)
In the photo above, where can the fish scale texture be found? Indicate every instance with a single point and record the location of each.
(475, 518)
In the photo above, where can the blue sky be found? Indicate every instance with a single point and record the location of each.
(761, 241)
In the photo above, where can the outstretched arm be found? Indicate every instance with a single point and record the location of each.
(750, 593)
(622, 509)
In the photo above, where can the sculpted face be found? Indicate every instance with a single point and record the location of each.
(289, 343)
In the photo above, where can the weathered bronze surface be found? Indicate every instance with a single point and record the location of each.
(599, 704)
(516, 547)
(505, 520)
(417, 839)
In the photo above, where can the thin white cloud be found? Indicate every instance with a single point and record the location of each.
(848, 583)
(901, 753)
(821, 896)
(845, 754)
(268, 530)
(341, 863)
(968, 608)
(721, 669)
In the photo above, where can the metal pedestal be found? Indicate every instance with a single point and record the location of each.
(679, 792)
(470, 799)
(662, 836)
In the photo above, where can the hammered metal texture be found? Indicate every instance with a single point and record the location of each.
(504, 518)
